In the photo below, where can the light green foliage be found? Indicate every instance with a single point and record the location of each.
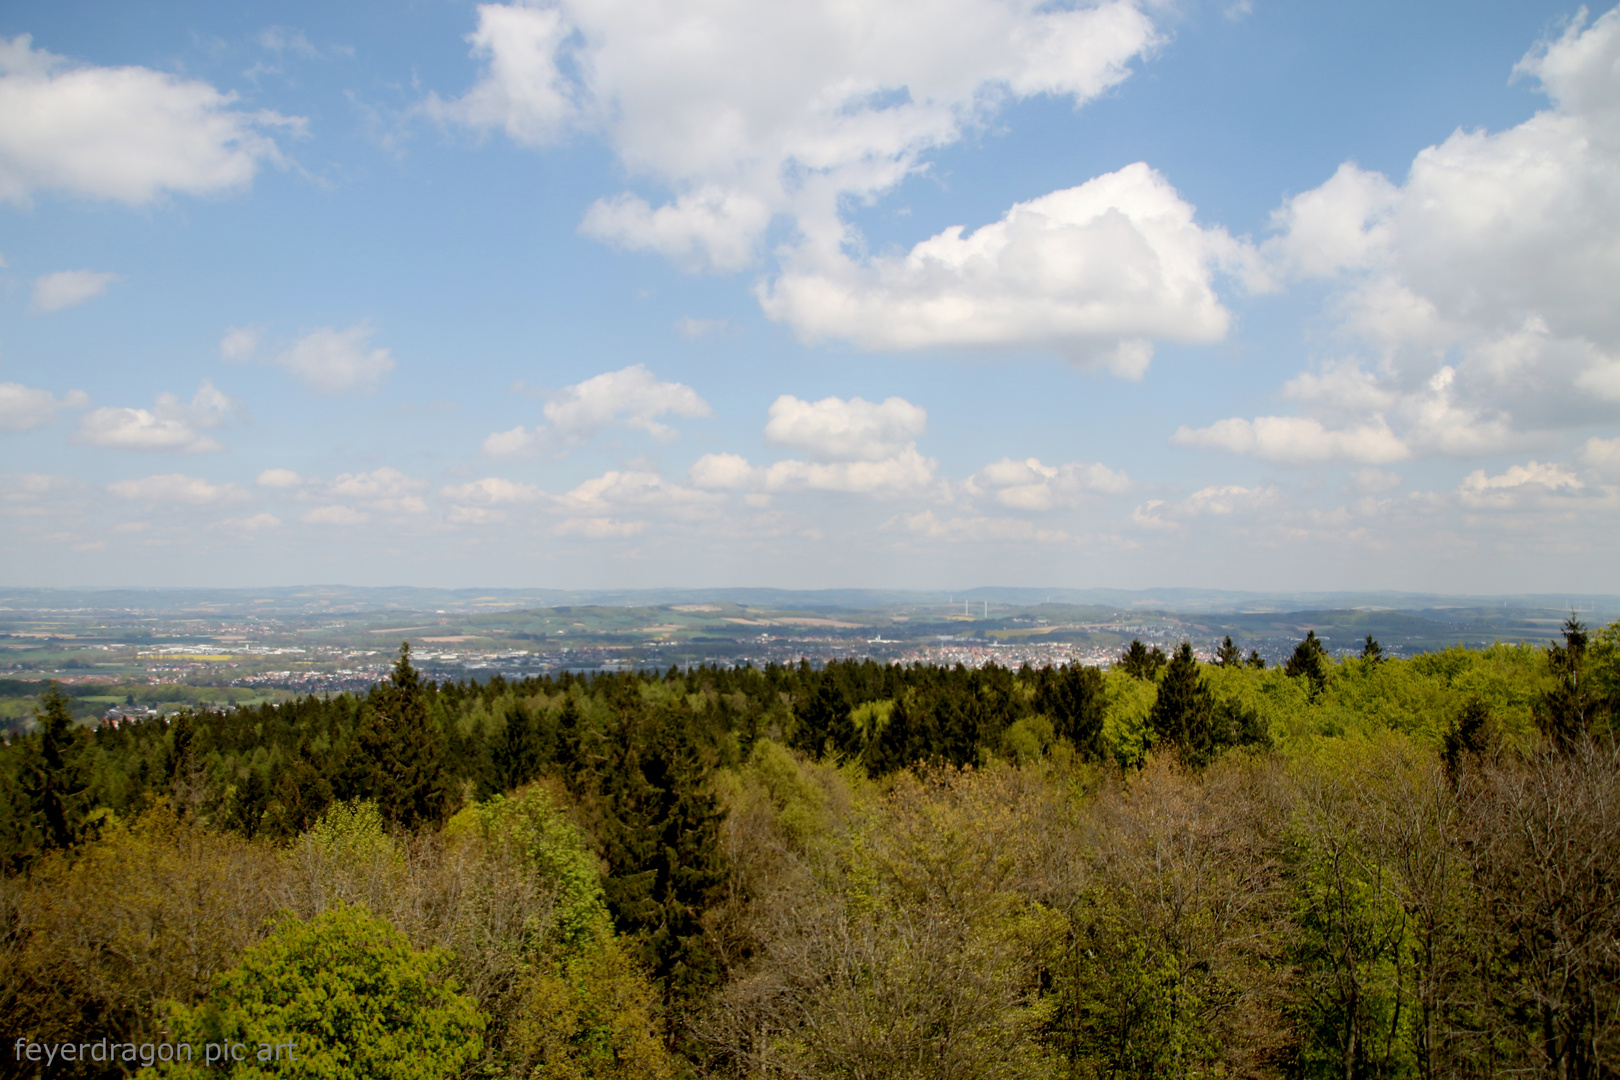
(897, 939)
(349, 994)
(530, 822)
(1126, 732)
(351, 833)
(592, 1016)
(1282, 703)
(1168, 969)
(1603, 661)
(1420, 697)
(1027, 738)
(869, 719)
(795, 791)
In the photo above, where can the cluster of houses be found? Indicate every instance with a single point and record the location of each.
(120, 713)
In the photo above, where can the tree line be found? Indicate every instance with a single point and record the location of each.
(1362, 867)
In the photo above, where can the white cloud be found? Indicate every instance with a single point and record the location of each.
(333, 515)
(23, 408)
(279, 478)
(982, 529)
(833, 429)
(1500, 492)
(747, 112)
(598, 528)
(906, 472)
(1372, 481)
(240, 343)
(128, 134)
(287, 39)
(722, 472)
(492, 491)
(176, 487)
(385, 490)
(250, 526)
(169, 425)
(1297, 440)
(1344, 224)
(601, 496)
(1603, 455)
(632, 396)
(1482, 283)
(330, 361)
(1031, 485)
(1220, 500)
(697, 329)
(858, 447)
(69, 288)
(509, 443)
(30, 487)
(1096, 272)
(475, 515)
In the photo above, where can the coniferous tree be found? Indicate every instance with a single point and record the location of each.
(824, 724)
(629, 834)
(690, 866)
(572, 755)
(909, 737)
(1142, 662)
(660, 838)
(1372, 651)
(1573, 707)
(303, 791)
(1183, 715)
(1471, 736)
(57, 785)
(1229, 655)
(249, 801)
(1310, 660)
(515, 757)
(181, 757)
(1072, 696)
(1255, 660)
(397, 758)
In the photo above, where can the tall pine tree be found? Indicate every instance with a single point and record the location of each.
(1184, 713)
(1573, 707)
(1141, 661)
(660, 838)
(397, 757)
(1072, 696)
(1310, 659)
(55, 784)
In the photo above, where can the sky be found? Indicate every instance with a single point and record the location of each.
(905, 294)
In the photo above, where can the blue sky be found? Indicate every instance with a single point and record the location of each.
(927, 294)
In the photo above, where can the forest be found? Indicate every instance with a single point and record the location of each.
(1335, 867)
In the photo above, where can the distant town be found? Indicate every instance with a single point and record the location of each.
(130, 654)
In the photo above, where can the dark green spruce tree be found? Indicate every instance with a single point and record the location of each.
(1184, 713)
(54, 781)
(911, 735)
(1310, 659)
(1573, 708)
(823, 721)
(690, 868)
(1229, 655)
(1072, 696)
(1472, 736)
(397, 757)
(1140, 661)
(1372, 651)
(517, 753)
(660, 838)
